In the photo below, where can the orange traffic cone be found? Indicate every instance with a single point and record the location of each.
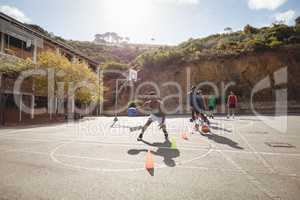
(149, 165)
(184, 136)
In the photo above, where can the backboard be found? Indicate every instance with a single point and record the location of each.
(132, 75)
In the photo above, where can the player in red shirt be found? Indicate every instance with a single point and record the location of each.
(231, 103)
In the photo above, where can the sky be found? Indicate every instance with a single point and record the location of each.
(167, 21)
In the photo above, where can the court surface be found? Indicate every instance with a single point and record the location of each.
(241, 159)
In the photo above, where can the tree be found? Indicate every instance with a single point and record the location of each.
(297, 20)
(107, 37)
(76, 73)
(115, 65)
(110, 37)
(12, 67)
(228, 29)
(120, 39)
(249, 29)
(114, 37)
(99, 38)
(127, 39)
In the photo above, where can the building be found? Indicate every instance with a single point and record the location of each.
(21, 41)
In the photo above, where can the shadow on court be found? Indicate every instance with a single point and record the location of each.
(220, 129)
(163, 150)
(131, 128)
(223, 140)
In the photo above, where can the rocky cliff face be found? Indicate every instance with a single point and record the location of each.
(244, 71)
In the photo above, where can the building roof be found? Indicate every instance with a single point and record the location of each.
(46, 37)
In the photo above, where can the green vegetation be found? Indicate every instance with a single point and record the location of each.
(160, 57)
(123, 53)
(13, 66)
(110, 37)
(112, 52)
(135, 103)
(114, 65)
(297, 21)
(69, 72)
(250, 39)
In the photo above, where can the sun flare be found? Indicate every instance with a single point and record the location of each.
(127, 13)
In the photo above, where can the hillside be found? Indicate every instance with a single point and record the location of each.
(230, 43)
(234, 43)
(122, 53)
(106, 52)
(244, 57)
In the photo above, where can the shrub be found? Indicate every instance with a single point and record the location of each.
(249, 29)
(250, 38)
(275, 43)
(114, 65)
(221, 46)
(134, 103)
(255, 44)
(297, 30)
(12, 66)
(281, 31)
(297, 21)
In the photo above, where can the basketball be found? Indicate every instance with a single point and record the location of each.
(205, 129)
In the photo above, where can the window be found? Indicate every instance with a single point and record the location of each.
(1, 40)
(41, 102)
(2, 100)
(6, 39)
(15, 42)
(11, 41)
(28, 49)
(9, 101)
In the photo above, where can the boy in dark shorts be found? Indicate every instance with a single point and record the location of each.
(157, 115)
(199, 109)
(192, 98)
(231, 102)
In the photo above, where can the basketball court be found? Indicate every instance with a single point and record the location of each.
(240, 159)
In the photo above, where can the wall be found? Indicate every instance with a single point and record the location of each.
(245, 69)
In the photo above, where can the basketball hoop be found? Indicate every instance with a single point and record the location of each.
(132, 75)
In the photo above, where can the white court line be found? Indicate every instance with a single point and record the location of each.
(131, 162)
(184, 147)
(70, 166)
(256, 183)
(19, 131)
(20, 149)
(52, 155)
(25, 150)
(260, 152)
(236, 171)
(54, 159)
(257, 154)
(179, 165)
(80, 141)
